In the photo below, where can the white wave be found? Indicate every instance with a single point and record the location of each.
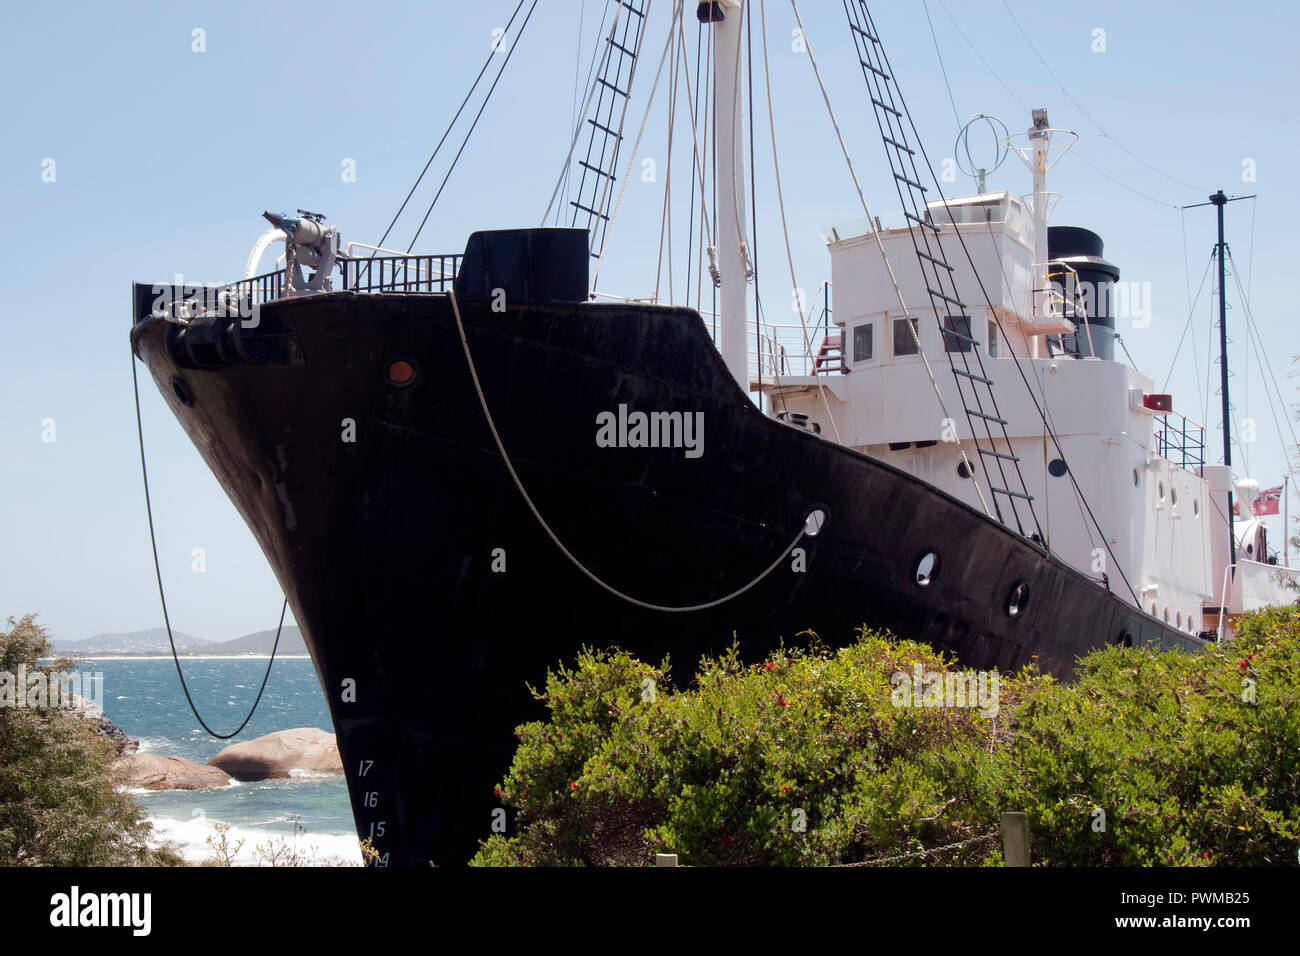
(190, 837)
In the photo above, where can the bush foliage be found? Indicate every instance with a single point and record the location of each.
(804, 759)
(59, 803)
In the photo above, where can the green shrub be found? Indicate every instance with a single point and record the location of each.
(59, 805)
(805, 759)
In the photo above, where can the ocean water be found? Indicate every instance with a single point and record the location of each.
(143, 696)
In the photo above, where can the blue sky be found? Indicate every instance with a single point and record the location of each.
(164, 159)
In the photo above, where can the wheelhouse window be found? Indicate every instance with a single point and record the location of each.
(993, 339)
(863, 343)
(956, 333)
(905, 339)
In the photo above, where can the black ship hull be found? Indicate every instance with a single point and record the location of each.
(430, 594)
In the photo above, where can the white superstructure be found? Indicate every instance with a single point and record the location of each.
(1140, 467)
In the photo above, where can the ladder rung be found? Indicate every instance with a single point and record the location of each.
(624, 3)
(947, 298)
(857, 29)
(937, 262)
(612, 42)
(604, 82)
(988, 418)
(959, 336)
(601, 126)
(886, 107)
(588, 209)
(897, 145)
(910, 182)
(874, 70)
(1013, 494)
(972, 376)
(598, 172)
(997, 454)
(921, 222)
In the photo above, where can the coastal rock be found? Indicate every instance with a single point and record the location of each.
(94, 717)
(274, 755)
(156, 772)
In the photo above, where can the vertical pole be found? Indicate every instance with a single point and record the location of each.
(1286, 522)
(1042, 143)
(1015, 839)
(1219, 200)
(728, 110)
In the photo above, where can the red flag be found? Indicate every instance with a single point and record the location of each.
(1267, 503)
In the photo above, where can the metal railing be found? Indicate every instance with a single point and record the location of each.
(1180, 440)
(363, 274)
(399, 273)
(258, 289)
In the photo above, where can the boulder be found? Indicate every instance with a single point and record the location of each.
(275, 755)
(156, 772)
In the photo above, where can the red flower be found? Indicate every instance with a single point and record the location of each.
(573, 786)
(782, 702)
(1244, 665)
(1206, 854)
(785, 790)
(496, 791)
(770, 666)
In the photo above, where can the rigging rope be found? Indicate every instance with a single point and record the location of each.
(577, 129)
(590, 575)
(1103, 133)
(437, 148)
(636, 146)
(456, 159)
(785, 230)
(889, 268)
(162, 596)
(1041, 414)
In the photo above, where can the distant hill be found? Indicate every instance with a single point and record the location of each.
(153, 642)
(260, 643)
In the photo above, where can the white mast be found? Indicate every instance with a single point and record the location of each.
(1037, 156)
(733, 247)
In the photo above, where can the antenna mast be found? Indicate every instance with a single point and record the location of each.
(1219, 200)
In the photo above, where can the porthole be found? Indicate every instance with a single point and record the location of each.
(963, 470)
(1137, 479)
(1160, 491)
(1018, 599)
(1196, 507)
(812, 525)
(182, 391)
(1166, 613)
(1173, 496)
(1250, 549)
(1056, 467)
(927, 569)
(1155, 610)
(1178, 620)
(402, 373)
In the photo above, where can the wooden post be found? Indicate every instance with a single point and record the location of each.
(1015, 839)
(665, 859)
